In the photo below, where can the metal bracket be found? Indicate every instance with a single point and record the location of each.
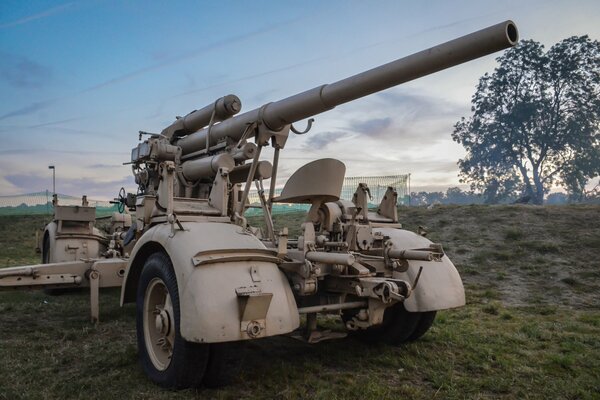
(308, 126)
(94, 277)
(254, 306)
(254, 274)
(282, 243)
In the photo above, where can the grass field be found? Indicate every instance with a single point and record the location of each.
(531, 327)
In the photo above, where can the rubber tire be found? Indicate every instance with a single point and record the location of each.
(222, 366)
(397, 327)
(46, 250)
(425, 322)
(189, 360)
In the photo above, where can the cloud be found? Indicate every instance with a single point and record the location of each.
(192, 54)
(250, 77)
(23, 73)
(37, 106)
(47, 13)
(7, 188)
(30, 109)
(70, 186)
(62, 121)
(442, 166)
(94, 166)
(32, 150)
(376, 127)
(419, 105)
(51, 127)
(12, 128)
(321, 140)
(416, 120)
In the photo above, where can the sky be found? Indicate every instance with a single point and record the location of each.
(79, 79)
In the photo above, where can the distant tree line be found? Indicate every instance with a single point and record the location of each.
(455, 195)
(47, 209)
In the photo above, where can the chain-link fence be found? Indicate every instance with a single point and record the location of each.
(377, 186)
(41, 202)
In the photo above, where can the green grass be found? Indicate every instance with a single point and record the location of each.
(531, 328)
(17, 239)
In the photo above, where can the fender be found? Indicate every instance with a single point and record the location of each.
(210, 307)
(439, 286)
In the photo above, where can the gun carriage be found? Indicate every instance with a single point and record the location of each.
(202, 277)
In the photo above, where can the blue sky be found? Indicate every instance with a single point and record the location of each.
(79, 79)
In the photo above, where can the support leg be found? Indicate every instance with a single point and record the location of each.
(94, 295)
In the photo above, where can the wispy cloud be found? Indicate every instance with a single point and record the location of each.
(12, 128)
(47, 13)
(51, 123)
(250, 77)
(417, 119)
(375, 127)
(38, 150)
(320, 141)
(192, 54)
(76, 187)
(37, 106)
(21, 72)
(442, 166)
(29, 109)
(102, 166)
(419, 105)
(53, 127)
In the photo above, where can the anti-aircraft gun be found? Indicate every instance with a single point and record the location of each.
(202, 277)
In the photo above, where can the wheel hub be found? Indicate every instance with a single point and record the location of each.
(159, 332)
(162, 322)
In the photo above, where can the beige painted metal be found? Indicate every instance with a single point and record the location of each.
(439, 287)
(93, 274)
(207, 167)
(62, 274)
(208, 292)
(104, 274)
(320, 180)
(222, 109)
(244, 152)
(72, 241)
(159, 323)
(240, 174)
(75, 254)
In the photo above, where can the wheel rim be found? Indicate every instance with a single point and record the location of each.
(159, 324)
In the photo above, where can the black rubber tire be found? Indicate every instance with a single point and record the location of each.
(425, 322)
(397, 327)
(222, 365)
(46, 250)
(405, 323)
(189, 360)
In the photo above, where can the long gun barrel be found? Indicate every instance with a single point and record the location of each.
(278, 114)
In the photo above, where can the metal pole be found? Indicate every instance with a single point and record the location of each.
(409, 189)
(332, 307)
(53, 178)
